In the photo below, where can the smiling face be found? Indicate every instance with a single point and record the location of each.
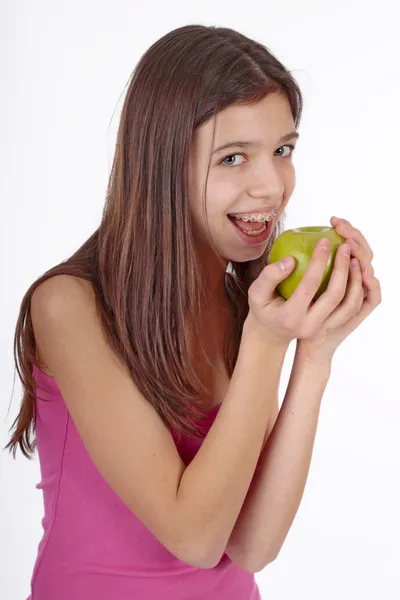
(254, 177)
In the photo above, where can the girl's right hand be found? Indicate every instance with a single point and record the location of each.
(281, 321)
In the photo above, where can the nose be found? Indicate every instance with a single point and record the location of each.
(266, 184)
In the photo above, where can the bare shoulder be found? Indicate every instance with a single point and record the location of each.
(56, 303)
(61, 293)
(68, 328)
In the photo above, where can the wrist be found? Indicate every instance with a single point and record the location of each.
(256, 342)
(311, 353)
(254, 334)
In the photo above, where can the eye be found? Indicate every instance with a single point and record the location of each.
(291, 147)
(233, 164)
(230, 164)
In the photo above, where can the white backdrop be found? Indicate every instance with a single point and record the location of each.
(64, 68)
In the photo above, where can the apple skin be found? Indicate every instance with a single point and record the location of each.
(300, 244)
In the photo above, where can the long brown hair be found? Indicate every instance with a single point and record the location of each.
(145, 290)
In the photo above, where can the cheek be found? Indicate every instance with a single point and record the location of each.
(222, 194)
(289, 182)
(225, 187)
(200, 215)
(212, 223)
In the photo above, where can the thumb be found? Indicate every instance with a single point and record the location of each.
(262, 289)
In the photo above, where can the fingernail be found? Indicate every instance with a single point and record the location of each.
(346, 250)
(324, 243)
(284, 263)
(355, 263)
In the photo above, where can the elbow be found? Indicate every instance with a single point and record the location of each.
(260, 567)
(196, 549)
(196, 556)
(210, 559)
(207, 563)
(201, 561)
(254, 565)
(206, 560)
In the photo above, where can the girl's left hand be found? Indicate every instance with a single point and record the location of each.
(363, 295)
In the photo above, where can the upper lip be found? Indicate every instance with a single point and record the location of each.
(264, 209)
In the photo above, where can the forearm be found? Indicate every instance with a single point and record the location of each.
(280, 477)
(214, 486)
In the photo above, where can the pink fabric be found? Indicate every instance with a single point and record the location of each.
(93, 547)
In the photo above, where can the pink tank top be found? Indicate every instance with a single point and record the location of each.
(93, 547)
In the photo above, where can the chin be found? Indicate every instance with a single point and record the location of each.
(245, 254)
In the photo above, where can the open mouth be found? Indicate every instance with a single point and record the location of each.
(252, 232)
(252, 229)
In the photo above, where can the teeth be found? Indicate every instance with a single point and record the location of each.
(255, 233)
(260, 218)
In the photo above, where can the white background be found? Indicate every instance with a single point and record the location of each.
(64, 69)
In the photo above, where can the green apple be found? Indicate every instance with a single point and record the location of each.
(300, 244)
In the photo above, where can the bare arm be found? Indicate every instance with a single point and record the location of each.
(281, 474)
(192, 510)
(215, 484)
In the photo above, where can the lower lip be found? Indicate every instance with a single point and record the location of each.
(253, 240)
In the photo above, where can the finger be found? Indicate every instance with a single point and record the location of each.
(359, 252)
(309, 284)
(334, 293)
(373, 288)
(372, 299)
(345, 229)
(263, 289)
(352, 302)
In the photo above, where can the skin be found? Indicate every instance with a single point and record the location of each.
(248, 178)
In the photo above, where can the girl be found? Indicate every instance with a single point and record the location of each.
(151, 358)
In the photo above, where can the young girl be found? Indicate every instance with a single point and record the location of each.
(151, 358)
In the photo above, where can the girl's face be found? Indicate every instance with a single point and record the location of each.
(253, 178)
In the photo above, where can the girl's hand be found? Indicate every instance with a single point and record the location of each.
(279, 321)
(363, 295)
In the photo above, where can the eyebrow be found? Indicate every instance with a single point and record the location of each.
(242, 144)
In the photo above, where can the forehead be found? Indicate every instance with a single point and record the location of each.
(269, 119)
